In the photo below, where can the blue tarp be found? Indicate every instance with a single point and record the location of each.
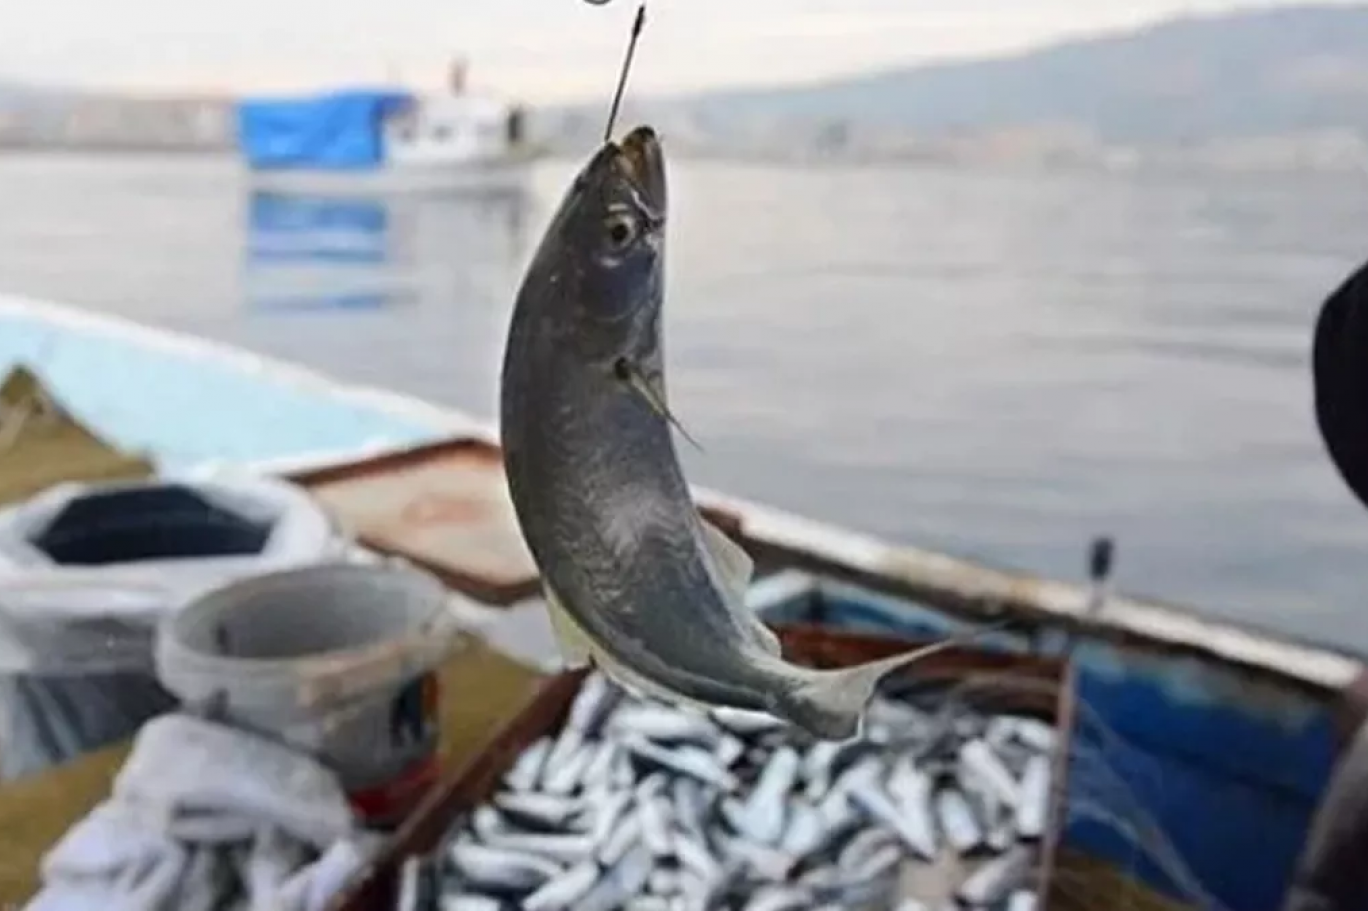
(334, 132)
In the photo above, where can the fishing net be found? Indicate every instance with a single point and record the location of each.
(1099, 793)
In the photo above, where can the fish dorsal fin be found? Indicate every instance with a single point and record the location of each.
(736, 568)
(575, 649)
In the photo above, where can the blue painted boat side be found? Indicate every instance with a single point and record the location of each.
(185, 409)
(1229, 769)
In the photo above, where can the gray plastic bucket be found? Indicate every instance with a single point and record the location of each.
(336, 660)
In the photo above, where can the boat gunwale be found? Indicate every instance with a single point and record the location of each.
(827, 548)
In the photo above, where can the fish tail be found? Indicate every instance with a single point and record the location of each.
(830, 704)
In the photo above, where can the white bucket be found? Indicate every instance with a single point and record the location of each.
(76, 633)
(336, 660)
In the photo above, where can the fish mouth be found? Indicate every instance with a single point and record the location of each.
(643, 160)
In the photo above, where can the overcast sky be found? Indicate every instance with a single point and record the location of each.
(537, 49)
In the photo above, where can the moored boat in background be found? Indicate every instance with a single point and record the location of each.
(1202, 747)
(385, 141)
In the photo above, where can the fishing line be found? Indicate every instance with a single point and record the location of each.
(637, 25)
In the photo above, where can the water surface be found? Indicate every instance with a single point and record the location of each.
(999, 365)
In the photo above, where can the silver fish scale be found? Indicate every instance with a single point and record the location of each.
(638, 804)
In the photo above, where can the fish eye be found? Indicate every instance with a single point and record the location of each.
(621, 229)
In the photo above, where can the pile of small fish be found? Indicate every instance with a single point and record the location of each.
(638, 805)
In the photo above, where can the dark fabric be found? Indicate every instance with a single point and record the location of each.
(1340, 374)
(1332, 872)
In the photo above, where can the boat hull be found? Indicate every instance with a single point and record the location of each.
(1224, 736)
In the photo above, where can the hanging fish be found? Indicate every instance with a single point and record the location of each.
(637, 582)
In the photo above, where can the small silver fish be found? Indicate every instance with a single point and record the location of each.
(996, 879)
(877, 864)
(746, 723)
(595, 700)
(1001, 836)
(655, 827)
(779, 898)
(1036, 734)
(689, 805)
(817, 767)
(911, 791)
(864, 845)
(663, 724)
(622, 881)
(1033, 809)
(663, 881)
(980, 761)
(762, 816)
(728, 750)
(544, 809)
(685, 760)
(768, 862)
(623, 774)
(564, 776)
(470, 901)
(568, 744)
(617, 845)
(652, 903)
(957, 820)
(820, 879)
(694, 855)
(526, 771)
(564, 848)
(873, 801)
(564, 890)
(599, 771)
(486, 823)
(804, 830)
(499, 868)
(608, 815)
(415, 885)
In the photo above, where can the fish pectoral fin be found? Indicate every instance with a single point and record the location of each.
(733, 563)
(575, 649)
(652, 392)
(736, 569)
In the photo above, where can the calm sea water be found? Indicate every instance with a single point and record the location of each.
(998, 365)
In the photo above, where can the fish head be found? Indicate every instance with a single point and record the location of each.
(596, 282)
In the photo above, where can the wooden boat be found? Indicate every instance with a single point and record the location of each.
(1203, 747)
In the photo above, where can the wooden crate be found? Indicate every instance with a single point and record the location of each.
(462, 789)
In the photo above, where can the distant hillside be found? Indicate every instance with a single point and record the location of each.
(1233, 75)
